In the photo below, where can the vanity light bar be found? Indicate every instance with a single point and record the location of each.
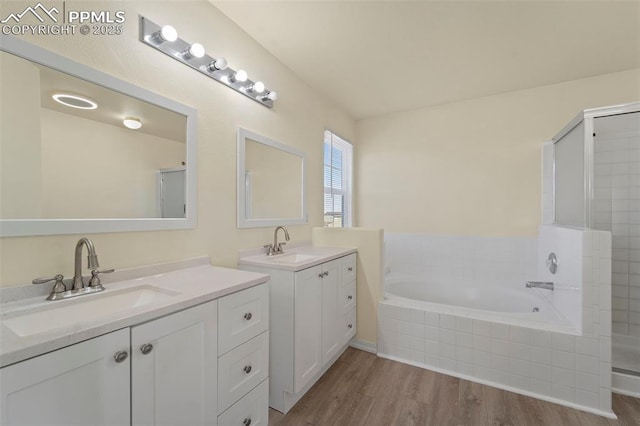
(165, 39)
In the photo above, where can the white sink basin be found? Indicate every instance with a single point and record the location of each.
(65, 313)
(293, 258)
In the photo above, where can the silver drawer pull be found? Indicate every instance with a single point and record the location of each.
(120, 356)
(247, 421)
(326, 273)
(350, 269)
(247, 369)
(350, 326)
(248, 316)
(146, 348)
(350, 297)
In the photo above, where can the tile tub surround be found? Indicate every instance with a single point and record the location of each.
(570, 370)
(494, 261)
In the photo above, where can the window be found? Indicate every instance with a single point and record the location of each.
(337, 181)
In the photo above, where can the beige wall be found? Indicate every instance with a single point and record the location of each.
(369, 243)
(298, 119)
(20, 154)
(472, 167)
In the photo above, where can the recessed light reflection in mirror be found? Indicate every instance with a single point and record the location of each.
(74, 101)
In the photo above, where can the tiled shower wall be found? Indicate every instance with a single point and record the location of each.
(617, 209)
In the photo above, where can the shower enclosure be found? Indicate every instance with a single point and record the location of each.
(596, 184)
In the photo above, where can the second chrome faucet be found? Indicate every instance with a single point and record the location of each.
(276, 247)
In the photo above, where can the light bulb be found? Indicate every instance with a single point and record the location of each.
(257, 87)
(272, 96)
(133, 123)
(166, 33)
(217, 65)
(241, 76)
(196, 50)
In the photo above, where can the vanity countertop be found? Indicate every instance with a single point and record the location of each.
(179, 289)
(296, 258)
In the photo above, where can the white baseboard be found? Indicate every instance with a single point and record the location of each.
(363, 345)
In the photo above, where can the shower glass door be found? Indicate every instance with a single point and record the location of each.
(616, 208)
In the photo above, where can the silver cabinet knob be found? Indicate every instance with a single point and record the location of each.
(120, 356)
(350, 297)
(247, 421)
(321, 274)
(350, 326)
(247, 369)
(326, 273)
(350, 268)
(146, 348)
(248, 316)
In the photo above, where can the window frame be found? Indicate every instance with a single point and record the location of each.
(346, 192)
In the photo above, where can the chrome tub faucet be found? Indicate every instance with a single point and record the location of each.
(547, 285)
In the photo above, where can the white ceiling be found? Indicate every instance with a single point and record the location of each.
(373, 58)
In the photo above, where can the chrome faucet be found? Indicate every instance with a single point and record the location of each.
(276, 247)
(60, 291)
(92, 259)
(540, 284)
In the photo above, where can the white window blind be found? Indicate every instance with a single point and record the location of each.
(337, 181)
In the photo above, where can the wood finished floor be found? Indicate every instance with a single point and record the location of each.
(362, 389)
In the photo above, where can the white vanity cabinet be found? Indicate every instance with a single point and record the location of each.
(173, 378)
(173, 373)
(312, 319)
(81, 384)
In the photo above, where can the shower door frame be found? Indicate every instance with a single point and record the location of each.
(587, 117)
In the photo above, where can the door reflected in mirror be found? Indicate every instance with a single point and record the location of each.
(270, 182)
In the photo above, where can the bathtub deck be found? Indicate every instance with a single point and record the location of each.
(362, 389)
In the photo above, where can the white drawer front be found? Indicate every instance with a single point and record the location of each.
(348, 268)
(241, 369)
(242, 316)
(348, 326)
(251, 410)
(347, 297)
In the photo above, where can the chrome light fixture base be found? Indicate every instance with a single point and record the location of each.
(175, 49)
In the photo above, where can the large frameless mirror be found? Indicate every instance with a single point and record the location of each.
(84, 152)
(270, 182)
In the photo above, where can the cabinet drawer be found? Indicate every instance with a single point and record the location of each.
(242, 316)
(251, 410)
(348, 268)
(241, 369)
(347, 297)
(348, 325)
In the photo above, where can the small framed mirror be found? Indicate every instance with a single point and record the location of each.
(271, 182)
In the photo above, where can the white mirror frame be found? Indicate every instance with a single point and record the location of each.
(24, 227)
(244, 222)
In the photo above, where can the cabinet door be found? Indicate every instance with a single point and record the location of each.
(174, 381)
(331, 318)
(78, 385)
(307, 326)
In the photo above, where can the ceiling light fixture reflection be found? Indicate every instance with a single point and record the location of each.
(74, 101)
(133, 123)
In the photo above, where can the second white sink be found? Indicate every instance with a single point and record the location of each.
(54, 315)
(293, 258)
